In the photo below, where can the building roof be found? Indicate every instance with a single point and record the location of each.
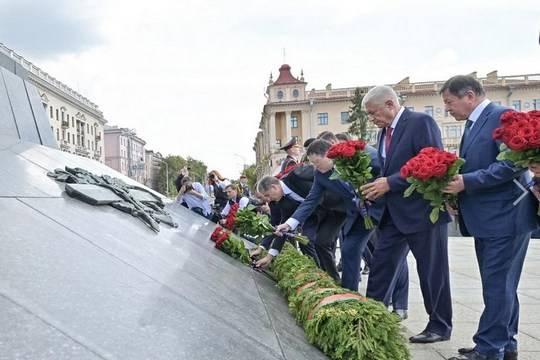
(285, 77)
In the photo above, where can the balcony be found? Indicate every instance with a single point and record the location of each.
(79, 150)
(64, 145)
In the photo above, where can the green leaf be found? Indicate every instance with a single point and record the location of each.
(409, 190)
(434, 215)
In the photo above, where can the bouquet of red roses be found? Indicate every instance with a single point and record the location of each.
(520, 136)
(231, 216)
(353, 164)
(429, 173)
(230, 244)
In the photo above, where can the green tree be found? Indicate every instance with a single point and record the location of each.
(251, 173)
(175, 163)
(358, 117)
(198, 169)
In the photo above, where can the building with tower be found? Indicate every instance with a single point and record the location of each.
(293, 111)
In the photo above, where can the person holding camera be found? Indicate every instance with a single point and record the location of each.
(195, 197)
(219, 184)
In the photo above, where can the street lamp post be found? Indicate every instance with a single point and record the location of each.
(166, 177)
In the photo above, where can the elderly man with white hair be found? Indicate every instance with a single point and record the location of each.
(405, 224)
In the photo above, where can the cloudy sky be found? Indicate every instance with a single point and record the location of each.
(190, 76)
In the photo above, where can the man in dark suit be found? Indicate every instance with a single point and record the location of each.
(355, 233)
(284, 200)
(405, 222)
(491, 210)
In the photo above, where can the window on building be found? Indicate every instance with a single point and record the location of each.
(295, 93)
(56, 114)
(345, 117)
(411, 108)
(278, 142)
(57, 135)
(428, 110)
(280, 94)
(89, 144)
(63, 116)
(516, 104)
(72, 121)
(296, 138)
(453, 131)
(51, 111)
(294, 121)
(92, 130)
(536, 104)
(63, 134)
(323, 118)
(87, 128)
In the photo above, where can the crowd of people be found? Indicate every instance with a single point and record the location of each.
(305, 195)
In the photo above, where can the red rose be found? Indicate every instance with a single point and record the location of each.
(508, 117)
(517, 143)
(405, 171)
(348, 151)
(534, 114)
(534, 140)
(439, 170)
(357, 144)
(498, 133)
(526, 131)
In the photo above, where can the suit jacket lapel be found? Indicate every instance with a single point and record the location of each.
(479, 123)
(396, 135)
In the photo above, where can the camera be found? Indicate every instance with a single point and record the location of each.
(188, 186)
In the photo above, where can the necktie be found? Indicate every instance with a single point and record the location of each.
(466, 132)
(387, 139)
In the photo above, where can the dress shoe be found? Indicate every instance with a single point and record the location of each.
(426, 337)
(473, 355)
(508, 355)
(403, 315)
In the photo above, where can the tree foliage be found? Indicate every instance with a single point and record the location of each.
(251, 173)
(358, 117)
(175, 163)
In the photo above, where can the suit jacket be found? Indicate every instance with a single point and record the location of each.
(486, 206)
(286, 207)
(414, 131)
(341, 188)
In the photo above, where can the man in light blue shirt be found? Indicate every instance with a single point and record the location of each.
(196, 198)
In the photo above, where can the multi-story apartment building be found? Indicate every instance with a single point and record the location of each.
(124, 152)
(76, 122)
(153, 162)
(293, 111)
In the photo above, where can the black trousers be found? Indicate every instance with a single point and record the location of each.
(327, 230)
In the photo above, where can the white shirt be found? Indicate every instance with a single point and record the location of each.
(194, 201)
(242, 203)
(288, 191)
(393, 126)
(293, 223)
(478, 111)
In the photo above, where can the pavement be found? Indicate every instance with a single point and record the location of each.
(468, 304)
